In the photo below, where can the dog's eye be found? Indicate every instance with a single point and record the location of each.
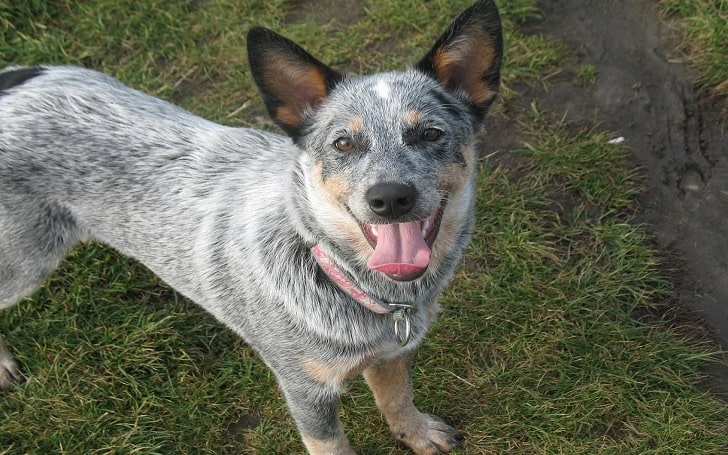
(431, 134)
(345, 144)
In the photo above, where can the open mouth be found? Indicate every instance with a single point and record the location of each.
(402, 250)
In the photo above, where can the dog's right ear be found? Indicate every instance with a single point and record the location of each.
(291, 81)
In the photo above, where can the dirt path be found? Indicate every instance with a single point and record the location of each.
(676, 135)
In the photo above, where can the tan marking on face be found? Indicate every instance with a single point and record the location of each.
(454, 176)
(446, 237)
(356, 125)
(335, 188)
(413, 117)
(459, 178)
(334, 373)
(451, 226)
(336, 191)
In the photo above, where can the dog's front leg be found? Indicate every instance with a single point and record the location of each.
(391, 382)
(314, 407)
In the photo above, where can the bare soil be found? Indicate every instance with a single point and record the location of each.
(676, 131)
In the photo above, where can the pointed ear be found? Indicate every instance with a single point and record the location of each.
(290, 79)
(467, 57)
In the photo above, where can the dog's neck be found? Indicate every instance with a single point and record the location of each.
(400, 311)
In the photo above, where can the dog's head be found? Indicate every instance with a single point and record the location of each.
(388, 158)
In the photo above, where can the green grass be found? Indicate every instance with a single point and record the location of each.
(704, 24)
(587, 73)
(539, 349)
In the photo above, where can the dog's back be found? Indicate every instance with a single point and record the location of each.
(69, 135)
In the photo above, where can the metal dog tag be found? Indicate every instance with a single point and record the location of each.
(402, 324)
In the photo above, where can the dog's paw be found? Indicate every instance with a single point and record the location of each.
(430, 436)
(9, 372)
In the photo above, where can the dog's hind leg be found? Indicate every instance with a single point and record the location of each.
(34, 238)
(391, 383)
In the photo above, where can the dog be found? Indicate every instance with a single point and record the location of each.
(325, 249)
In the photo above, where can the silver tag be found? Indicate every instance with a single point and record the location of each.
(402, 324)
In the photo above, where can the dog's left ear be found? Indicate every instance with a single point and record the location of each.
(291, 81)
(467, 57)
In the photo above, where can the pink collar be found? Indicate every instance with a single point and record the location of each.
(400, 311)
(346, 285)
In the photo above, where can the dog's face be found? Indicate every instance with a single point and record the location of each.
(391, 155)
(389, 158)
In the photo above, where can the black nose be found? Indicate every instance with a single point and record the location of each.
(391, 200)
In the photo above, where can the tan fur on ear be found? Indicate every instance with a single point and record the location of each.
(290, 79)
(299, 86)
(460, 66)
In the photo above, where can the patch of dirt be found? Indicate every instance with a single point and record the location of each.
(677, 135)
(238, 429)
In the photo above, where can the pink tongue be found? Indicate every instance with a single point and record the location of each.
(400, 249)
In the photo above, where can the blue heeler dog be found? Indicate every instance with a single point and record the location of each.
(325, 250)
